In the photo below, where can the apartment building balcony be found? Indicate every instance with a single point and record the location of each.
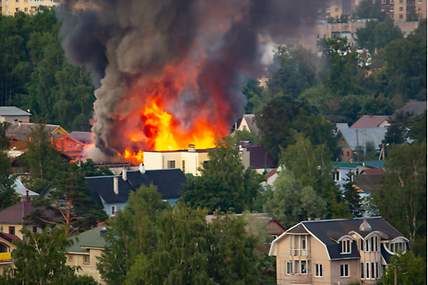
(5, 256)
(299, 252)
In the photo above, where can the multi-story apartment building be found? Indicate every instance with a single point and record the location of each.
(10, 7)
(341, 251)
(404, 10)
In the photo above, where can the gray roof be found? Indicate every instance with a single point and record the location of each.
(92, 238)
(12, 111)
(361, 136)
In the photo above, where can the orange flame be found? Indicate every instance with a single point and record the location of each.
(152, 126)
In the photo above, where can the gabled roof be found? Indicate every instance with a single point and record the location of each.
(83, 137)
(21, 190)
(328, 232)
(412, 108)
(16, 214)
(93, 238)
(355, 137)
(368, 121)
(250, 119)
(21, 131)
(169, 183)
(12, 111)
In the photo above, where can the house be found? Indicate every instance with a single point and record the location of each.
(23, 191)
(248, 123)
(189, 161)
(369, 121)
(343, 171)
(14, 219)
(87, 247)
(255, 157)
(358, 139)
(339, 251)
(411, 108)
(7, 245)
(112, 191)
(12, 114)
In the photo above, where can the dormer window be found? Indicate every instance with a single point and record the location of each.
(346, 246)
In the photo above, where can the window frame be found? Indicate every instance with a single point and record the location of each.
(344, 268)
(346, 246)
(318, 270)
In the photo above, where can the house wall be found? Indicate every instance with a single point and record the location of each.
(12, 119)
(354, 272)
(192, 160)
(4, 228)
(89, 269)
(108, 208)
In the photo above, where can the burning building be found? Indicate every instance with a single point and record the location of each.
(169, 72)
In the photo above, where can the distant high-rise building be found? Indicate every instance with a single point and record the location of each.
(11, 7)
(405, 10)
(339, 8)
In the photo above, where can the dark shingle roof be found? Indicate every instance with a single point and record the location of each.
(15, 214)
(169, 183)
(329, 231)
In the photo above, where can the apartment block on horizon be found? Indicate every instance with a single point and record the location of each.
(339, 251)
(11, 7)
(404, 10)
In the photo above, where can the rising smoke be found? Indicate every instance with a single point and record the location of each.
(127, 43)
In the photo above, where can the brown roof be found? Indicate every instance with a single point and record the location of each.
(21, 131)
(368, 183)
(8, 237)
(373, 171)
(368, 121)
(412, 108)
(299, 229)
(15, 214)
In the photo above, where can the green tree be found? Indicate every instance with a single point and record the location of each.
(402, 200)
(352, 198)
(4, 141)
(418, 128)
(406, 269)
(8, 197)
(224, 184)
(149, 243)
(255, 95)
(40, 259)
(377, 34)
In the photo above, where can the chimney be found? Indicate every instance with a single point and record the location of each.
(124, 174)
(191, 148)
(116, 185)
(141, 168)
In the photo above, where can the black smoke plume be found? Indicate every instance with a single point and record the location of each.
(120, 41)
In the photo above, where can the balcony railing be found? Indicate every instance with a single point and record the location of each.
(299, 252)
(5, 256)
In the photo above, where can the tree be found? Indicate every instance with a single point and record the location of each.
(4, 141)
(406, 269)
(352, 198)
(224, 184)
(8, 197)
(377, 34)
(402, 200)
(311, 166)
(418, 128)
(291, 203)
(255, 95)
(150, 243)
(40, 259)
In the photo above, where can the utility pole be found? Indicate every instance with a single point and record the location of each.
(395, 275)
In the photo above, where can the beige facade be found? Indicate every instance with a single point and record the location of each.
(303, 258)
(87, 261)
(10, 7)
(17, 229)
(189, 161)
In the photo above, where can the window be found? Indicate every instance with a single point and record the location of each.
(344, 270)
(318, 270)
(377, 270)
(367, 248)
(170, 163)
(367, 270)
(86, 259)
(372, 272)
(303, 266)
(304, 243)
(34, 229)
(183, 166)
(346, 246)
(336, 175)
(362, 270)
(113, 210)
(12, 230)
(361, 244)
(289, 267)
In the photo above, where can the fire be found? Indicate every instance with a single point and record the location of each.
(158, 124)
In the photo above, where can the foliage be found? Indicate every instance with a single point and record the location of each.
(88, 168)
(149, 243)
(378, 34)
(406, 269)
(255, 95)
(352, 198)
(8, 197)
(244, 135)
(224, 184)
(35, 75)
(402, 200)
(4, 141)
(418, 128)
(40, 259)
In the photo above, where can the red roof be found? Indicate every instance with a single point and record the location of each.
(374, 171)
(367, 121)
(8, 237)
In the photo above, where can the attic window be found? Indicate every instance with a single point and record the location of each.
(346, 246)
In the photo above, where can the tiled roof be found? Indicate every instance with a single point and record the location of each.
(15, 214)
(169, 183)
(91, 238)
(12, 111)
(368, 121)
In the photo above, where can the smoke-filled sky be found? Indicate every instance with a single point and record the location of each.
(192, 56)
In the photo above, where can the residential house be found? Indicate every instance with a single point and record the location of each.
(14, 219)
(23, 191)
(12, 114)
(353, 140)
(85, 251)
(248, 123)
(11, 7)
(340, 251)
(113, 191)
(189, 161)
(83, 137)
(255, 157)
(369, 121)
(345, 171)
